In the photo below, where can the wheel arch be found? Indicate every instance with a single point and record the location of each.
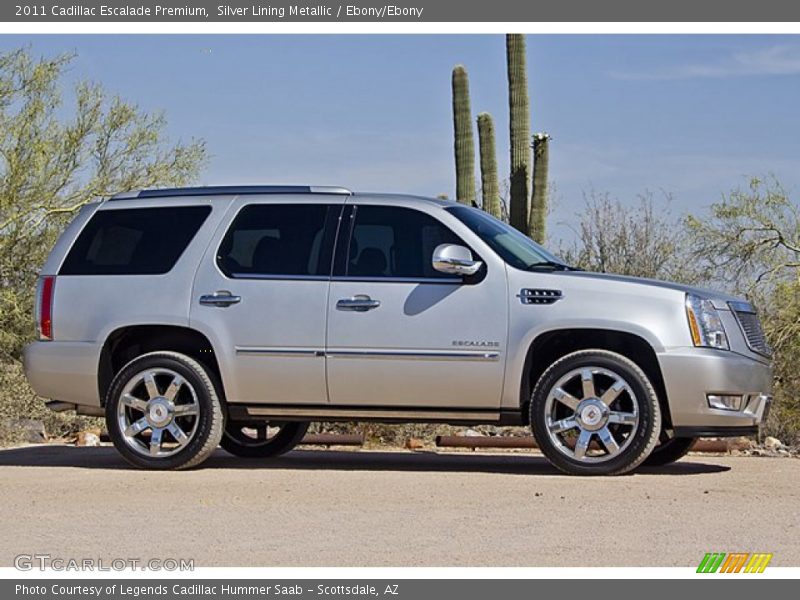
(126, 343)
(549, 346)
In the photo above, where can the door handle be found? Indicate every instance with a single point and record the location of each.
(358, 303)
(219, 298)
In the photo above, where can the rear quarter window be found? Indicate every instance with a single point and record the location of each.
(135, 241)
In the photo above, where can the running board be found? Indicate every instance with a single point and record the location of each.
(242, 412)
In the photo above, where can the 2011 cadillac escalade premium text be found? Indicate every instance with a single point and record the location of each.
(204, 316)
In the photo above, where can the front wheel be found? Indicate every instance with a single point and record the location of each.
(595, 412)
(263, 439)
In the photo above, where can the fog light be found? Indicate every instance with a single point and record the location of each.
(725, 402)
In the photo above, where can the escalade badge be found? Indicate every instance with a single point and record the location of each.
(476, 344)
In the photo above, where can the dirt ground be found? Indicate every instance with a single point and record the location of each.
(394, 508)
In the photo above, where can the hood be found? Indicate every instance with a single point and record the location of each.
(719, 299)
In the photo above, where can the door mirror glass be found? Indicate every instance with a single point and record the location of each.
(455, 260)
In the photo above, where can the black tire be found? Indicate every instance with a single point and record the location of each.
(239, 443)
(196, 392)
(630, 443)
(669, 451)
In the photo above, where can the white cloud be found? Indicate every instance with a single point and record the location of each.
(777, 60)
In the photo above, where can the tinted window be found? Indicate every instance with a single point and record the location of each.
(396, 242)
(276, 239)
(135, 241)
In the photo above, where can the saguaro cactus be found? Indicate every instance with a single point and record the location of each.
(490, 189)
(464, 143)
(541, 158)
(520, 128)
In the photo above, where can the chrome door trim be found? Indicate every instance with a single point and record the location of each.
(432, 280)
(293, 352)
(414, 355)
(269, 277)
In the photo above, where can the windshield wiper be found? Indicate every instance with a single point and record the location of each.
(550, 264)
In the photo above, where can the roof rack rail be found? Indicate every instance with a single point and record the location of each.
(237, 190)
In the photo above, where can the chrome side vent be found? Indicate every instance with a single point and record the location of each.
(539, 296)
(751, 327)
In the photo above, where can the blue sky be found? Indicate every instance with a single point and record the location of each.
(693, 116)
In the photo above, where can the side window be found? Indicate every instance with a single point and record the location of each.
(396, 242)
(277, 239)
(134, 241)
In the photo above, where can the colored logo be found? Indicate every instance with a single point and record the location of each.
(735, 562)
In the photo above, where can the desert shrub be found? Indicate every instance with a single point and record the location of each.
(59, 149)
(642, 239)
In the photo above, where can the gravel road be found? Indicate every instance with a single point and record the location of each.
(395, 508)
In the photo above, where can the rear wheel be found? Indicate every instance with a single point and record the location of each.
(163, 412)
(262, 439)
(668, 451)
(595, 412)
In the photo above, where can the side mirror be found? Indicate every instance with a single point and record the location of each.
(455, 260)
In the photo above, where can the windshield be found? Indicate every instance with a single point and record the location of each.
(516, 249)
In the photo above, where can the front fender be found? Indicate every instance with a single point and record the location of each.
(517, 363)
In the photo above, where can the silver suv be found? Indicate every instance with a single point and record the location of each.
(197, 317)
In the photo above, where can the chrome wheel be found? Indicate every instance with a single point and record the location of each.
(158, 412)
(591, 414)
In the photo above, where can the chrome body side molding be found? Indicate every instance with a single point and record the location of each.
(414, 354)
(255, 350)
(378, 354)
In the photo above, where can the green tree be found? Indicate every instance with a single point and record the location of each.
(781, 320)
(751, 239)
(58, 151)
(750, 242)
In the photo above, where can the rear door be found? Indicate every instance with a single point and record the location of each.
(401, 334)
(261, 295)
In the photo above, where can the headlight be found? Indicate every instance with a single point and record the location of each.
(704, 323)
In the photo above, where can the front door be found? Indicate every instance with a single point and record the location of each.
(401, 334)
(261, 296)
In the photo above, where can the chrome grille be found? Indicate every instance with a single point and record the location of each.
(751, 326)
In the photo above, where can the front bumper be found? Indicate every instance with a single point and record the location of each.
(64, 371)
(690, 374)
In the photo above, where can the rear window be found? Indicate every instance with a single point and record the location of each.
(136, 241)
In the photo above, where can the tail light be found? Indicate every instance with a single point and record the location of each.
(44, 307)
